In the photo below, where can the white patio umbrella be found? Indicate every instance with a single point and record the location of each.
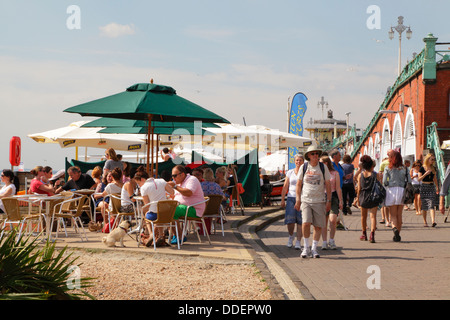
(274, 162)
(235, 136)
(74, 136)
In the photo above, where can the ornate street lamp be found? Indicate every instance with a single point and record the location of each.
(400, 28)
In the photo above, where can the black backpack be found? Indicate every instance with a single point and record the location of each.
(322, 168)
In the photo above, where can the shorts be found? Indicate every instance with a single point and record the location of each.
(334, 205)
(292, 215)
(394, 196)
(314, 213)
(151, 216)
(127, 208)
(180, 212)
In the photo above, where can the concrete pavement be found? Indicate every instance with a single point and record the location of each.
(415, 268)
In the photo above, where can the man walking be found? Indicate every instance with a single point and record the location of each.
(313, 181)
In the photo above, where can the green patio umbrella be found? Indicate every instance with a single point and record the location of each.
(127, 123)
(148, 102)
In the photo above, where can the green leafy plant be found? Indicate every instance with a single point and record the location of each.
(28, 271)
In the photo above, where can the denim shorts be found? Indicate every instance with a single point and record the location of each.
(151, 216)
(292, 215)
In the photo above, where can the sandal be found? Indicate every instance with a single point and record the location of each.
(149, 242)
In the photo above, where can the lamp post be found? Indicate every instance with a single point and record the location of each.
(322, 103)
(400, 28)
(346, 132)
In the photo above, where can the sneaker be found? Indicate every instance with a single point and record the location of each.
(290, 241)
(297, 245)
(332, 245)
(314, 253)
(340, 226)
(305, 253)
(174, 240)
(325, 245)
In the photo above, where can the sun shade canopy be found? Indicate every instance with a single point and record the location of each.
(144, 99)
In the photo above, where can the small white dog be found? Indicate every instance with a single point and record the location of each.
(117, 234)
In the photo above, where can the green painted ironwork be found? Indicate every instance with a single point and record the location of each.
(426, 62)
(433, 143)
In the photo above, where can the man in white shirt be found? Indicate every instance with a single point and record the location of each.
(152, 191)
(313, 181)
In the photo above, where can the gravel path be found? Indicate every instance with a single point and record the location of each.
(124, 276)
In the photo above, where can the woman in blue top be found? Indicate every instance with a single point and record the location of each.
(395, 178)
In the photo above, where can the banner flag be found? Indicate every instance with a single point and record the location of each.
(298, 110)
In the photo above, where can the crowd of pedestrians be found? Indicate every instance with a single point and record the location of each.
(321, 187)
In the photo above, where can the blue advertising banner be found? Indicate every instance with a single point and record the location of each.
(298, 110)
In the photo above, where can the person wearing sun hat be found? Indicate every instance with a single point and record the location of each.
(312, 185)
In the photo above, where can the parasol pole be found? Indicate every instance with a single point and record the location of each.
(149, 132)
(157, 154)
(153, 154)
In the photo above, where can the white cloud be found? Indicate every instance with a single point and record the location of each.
(114, 30)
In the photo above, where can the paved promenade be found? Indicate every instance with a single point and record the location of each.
(418, 267)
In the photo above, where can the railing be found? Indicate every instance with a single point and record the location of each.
(408, 71)
(434, 144)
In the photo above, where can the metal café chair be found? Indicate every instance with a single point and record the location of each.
(194, 221)
(166, 211)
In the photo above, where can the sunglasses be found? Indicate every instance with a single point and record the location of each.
(314, 154)
(175, 175)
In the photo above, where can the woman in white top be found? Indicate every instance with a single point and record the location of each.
(10, 188)
(292, 216)
(416, 184)
(129, 190)
(114, 187)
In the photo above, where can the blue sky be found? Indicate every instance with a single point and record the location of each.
(237, 58)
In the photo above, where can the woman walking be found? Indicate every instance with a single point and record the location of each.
(416, 184)
(395, 178)
(366, 181)
(429, 189)
(292, 216)
(336, 205)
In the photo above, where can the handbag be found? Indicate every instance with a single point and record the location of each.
(378, 193)
(409, 192)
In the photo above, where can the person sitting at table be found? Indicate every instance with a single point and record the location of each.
(97, 174)
(126, 172)
(165, 154)
(221, 172)
(48, 173)
(152, 190)
(198, 173)
(10, 188)
(114, 187)
(188, 191)
(57, 179)
(98, 195)
(129, 190)
(37, 185)
(77, 181)
(112, 161)
(209, 187)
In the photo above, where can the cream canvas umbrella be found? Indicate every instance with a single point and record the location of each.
(75, 136)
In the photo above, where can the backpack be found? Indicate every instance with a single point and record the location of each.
(377, 194)
(322, 168)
